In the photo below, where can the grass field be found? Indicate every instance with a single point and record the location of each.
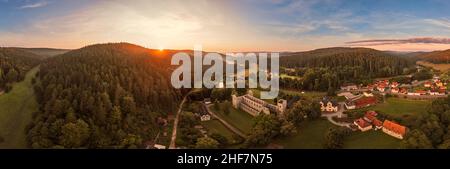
(400, 107)
(371, 140)
(16, 108)
(257, 94)
(440, 67)
(238, 118)
(310, 135)
(309, 94)
(214, 126)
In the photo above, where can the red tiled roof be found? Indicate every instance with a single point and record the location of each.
(365, 101)
(394, 127)
(362, 123)
(377, 122)
(371, 115)
(421, 91)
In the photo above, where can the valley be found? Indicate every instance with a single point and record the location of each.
(56, 100)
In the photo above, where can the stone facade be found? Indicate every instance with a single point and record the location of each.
(255, 106)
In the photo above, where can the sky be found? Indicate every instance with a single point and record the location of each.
(228, 25)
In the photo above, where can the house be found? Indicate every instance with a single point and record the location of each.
(427, 84)
(159, 146)
(204, 114)
(362, 124)
(394, 129)
(381, 87)
(421, 92)
(349, 87)
(205, 117)
(395, 90)
(328, 105)
(378, 124)
(394, 84)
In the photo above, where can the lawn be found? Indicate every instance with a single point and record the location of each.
(238, 118)
(308, 94)
(16, 108)
(371, 140)
(400, 107)
(440, 67)
(257, 94)
(310, 136)
(214, 126)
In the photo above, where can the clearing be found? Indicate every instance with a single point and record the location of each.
(16, 108)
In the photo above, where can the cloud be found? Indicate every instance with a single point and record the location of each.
(34, 5)
(439, 22)
(377, 42)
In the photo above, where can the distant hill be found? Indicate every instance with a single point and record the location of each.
(14, 64)
(436, 57)
(369, 61)
(103, 96)
(44, 53)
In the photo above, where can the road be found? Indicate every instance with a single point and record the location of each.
(225, 123)
(339, 113)
(175, 123)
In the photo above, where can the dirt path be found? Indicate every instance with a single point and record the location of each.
(175, 123)
(225, 123)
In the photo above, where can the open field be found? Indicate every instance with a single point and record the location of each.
(257, 94)
(238, 118)
(214, 126)
(371, 140)
(440, 67)
(310, 135)
(16, 108)
(400, 107)
(309, 94)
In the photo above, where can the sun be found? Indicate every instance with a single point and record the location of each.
(161, 48)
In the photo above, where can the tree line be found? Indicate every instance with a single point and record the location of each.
(327, 69)
(14, 64)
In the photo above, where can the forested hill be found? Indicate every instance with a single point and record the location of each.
(106, 95)
(364, 60)
(14, 64)
(436, 57)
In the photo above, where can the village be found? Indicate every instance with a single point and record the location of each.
(355, 106)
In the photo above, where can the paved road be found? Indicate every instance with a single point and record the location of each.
(175, 123)
(339, 113)
(225, 123)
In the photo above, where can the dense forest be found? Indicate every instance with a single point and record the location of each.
(102, 96)
(436, 57)
(327, 69)
(431, 129)
(14, 64)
